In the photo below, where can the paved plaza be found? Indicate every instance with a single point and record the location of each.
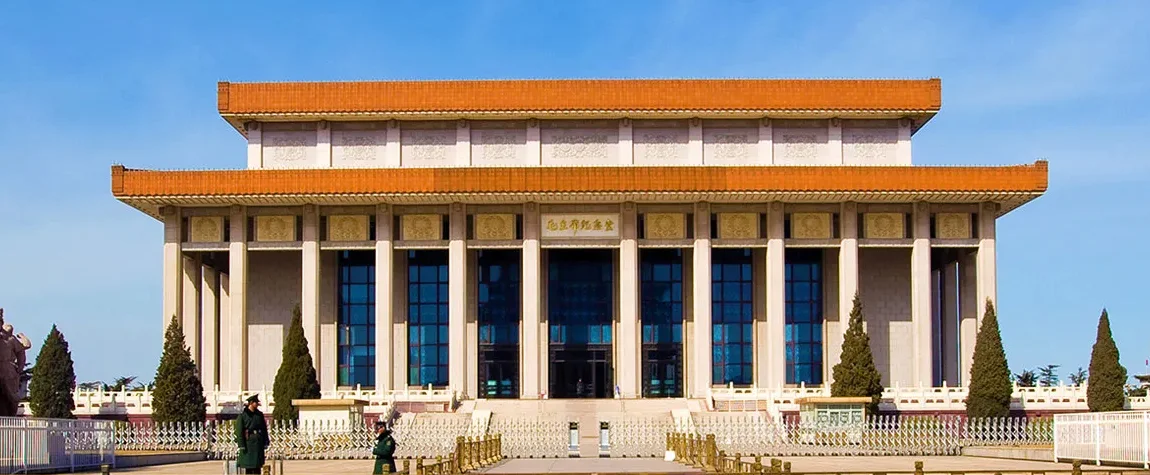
(969, 465)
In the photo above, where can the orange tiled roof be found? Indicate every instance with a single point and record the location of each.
(579, 95)
(1005, 179)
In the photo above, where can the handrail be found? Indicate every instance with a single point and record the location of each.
(471, 453)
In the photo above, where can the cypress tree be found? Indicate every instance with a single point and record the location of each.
(856, 375)
(178, 395)
(53, 379)
(296, 377)
(989, 389)
(1104, 388)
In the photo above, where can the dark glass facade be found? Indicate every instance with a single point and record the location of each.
(427, 320)
(661, 316)
(732, 317)
(498, 313)
(804, 325)
(356, 317)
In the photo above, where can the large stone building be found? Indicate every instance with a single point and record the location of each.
(579, 238)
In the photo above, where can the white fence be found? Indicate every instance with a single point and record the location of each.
(38, 444)
(1103, 437)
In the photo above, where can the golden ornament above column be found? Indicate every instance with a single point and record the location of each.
(206, 229)
(421, 227)
(811, 226)
(665, 226)
(275, 228)
(884, 225)
(738, 225)
(494, 227)
(345, 227)
(952, 226)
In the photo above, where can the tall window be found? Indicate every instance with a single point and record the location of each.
(427, 335)
(356, 307)
(580, 291)
(498, 314)
(804, 326)
(732, 316)
(661, 276)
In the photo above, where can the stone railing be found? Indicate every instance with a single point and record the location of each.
(139, 403)
(900, 399)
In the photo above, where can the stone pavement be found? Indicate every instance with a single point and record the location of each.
(969, 465)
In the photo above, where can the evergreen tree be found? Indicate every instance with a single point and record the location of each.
(1107, 380)
(296, 378)
(178, 395)
(856, 375)
(53, 379)
(990, 389)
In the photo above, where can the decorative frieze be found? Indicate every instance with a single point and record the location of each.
(661, 146)
(599, 225)
(665, 226)
(498, 147)
(800, 146)
(952, 226)
(427, 148)
(358, 148)
(811, 226)
(884, 225)
(738, 225)
(345, 227)
(580, 147)
(494, 227)
(421, 227)
(869, 146)
(275, 228)
(289, 149)
(730, 146)
(206, 229)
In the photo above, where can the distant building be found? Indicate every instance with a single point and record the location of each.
(579, 238)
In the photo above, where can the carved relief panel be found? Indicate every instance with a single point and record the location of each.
(811, 226)
(884, 225)
(427, 148)
(358, 148)
(206, 229)
(665, 226)
(421, 227)
(498, 147)
(870, 145)
(580, 147)
(275, 228)
(738, 226)
(494, 227)
(289, 149)
(346, 227)
(800, 146)
(730, 146)
(660, 146)
(952, 226)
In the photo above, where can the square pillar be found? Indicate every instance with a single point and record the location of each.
(457, 299)
(384, 304)
(209, 327)
(776, 346)
(309, 301)
(173, 266)
(949, 334)
(629, 338)
(399, 336)
(971, 311)
(700, 361)
(237, 300)
(531, 346)
(190, 318)
(848, 279)
(920, 299)
(987, 259)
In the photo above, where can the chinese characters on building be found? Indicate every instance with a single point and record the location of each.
(580, 225)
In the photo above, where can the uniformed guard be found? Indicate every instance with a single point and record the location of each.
(252, 437)
(384, 450)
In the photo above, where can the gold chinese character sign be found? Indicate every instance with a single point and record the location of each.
(602, 225)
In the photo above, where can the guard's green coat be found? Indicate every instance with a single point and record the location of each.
(252, 438)
(384, 453)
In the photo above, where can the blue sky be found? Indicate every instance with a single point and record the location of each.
(84, 85)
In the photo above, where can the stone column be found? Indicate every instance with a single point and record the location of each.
(532, 344)
(949, 338)
(190, 318)
(920, 299)
(384, 305)
(700, 361)
(209, 321)
(971, 311)
(629, 342)
(309, 301)
(457, 299)
(173, 266)
(848, 278)
(987, 259)
(776, 297)
(237, 299)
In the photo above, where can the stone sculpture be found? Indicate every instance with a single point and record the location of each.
(13, 356)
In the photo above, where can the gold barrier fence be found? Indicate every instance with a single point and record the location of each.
(471, 453)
